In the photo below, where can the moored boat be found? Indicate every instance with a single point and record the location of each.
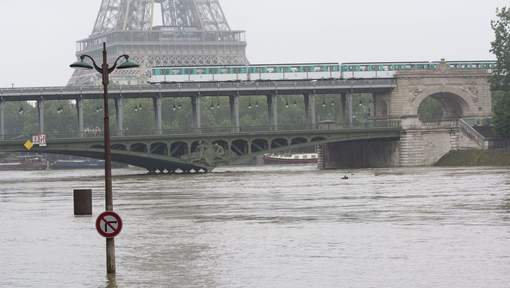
(24, 164)
(302, 158)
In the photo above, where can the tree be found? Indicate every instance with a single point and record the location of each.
(501, 78)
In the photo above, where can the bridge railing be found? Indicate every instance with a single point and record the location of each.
(322, 126)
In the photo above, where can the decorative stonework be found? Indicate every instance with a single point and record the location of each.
(413, 87)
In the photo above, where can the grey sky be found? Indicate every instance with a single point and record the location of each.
(39, 36)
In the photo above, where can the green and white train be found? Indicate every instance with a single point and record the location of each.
(310, 71)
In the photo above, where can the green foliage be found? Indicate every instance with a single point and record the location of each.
(501, 48)
(501, 117)
(430, 110)
(139, 117)
(501, 77)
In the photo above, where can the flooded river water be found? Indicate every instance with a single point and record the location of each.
(263, 227)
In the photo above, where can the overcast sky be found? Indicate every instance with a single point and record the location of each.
(38, 37)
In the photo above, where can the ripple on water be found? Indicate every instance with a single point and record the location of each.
(270, 226)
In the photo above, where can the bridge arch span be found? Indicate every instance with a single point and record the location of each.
(224, 144)
(240, 147)
(179, 149)
(258, 145)
(159, 148)
(318, 139)
(120, 147)
(139, 147)
(279, 143)
(455, 102)
(299, 140)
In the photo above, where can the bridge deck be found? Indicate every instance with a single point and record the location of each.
(251, 88)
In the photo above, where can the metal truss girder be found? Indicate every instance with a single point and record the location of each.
(128, 15)
(211, 15)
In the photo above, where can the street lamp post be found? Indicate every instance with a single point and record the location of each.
(105, 70)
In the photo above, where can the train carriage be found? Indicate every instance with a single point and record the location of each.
(306, 71)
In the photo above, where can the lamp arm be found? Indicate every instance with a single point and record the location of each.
(98, 69)
(111, 69)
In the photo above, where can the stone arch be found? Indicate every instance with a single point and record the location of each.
(456, 102)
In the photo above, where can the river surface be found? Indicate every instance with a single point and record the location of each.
(262, 227)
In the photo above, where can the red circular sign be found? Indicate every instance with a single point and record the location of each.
(109, 224)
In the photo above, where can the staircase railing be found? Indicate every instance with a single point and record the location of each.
(473, 134)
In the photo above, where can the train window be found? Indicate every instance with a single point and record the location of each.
(200, 71)
(213, 70)
(188, 71)
(156, 72)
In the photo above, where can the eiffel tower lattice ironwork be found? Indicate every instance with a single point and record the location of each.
(191, 32)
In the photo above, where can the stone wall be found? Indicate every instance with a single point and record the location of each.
(359, 154)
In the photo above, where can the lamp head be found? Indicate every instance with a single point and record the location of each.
(128, 64)
(81, 64)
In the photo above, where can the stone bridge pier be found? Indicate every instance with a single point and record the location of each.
(461, 94)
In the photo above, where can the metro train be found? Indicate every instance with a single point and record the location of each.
(306, 71)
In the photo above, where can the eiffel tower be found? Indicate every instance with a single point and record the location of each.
(191, 32)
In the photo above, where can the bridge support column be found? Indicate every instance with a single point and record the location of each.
(195, 108)
(2, 119)
(381, 103)
(359, 154)
(339, 111)
(272, 107)
(157, 114)
(234, 112)
(346, 108)
(79, 113)
(311, 117)
(40, 112)
(119, 115)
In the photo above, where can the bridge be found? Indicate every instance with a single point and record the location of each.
(394, 116)
(203, 150)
